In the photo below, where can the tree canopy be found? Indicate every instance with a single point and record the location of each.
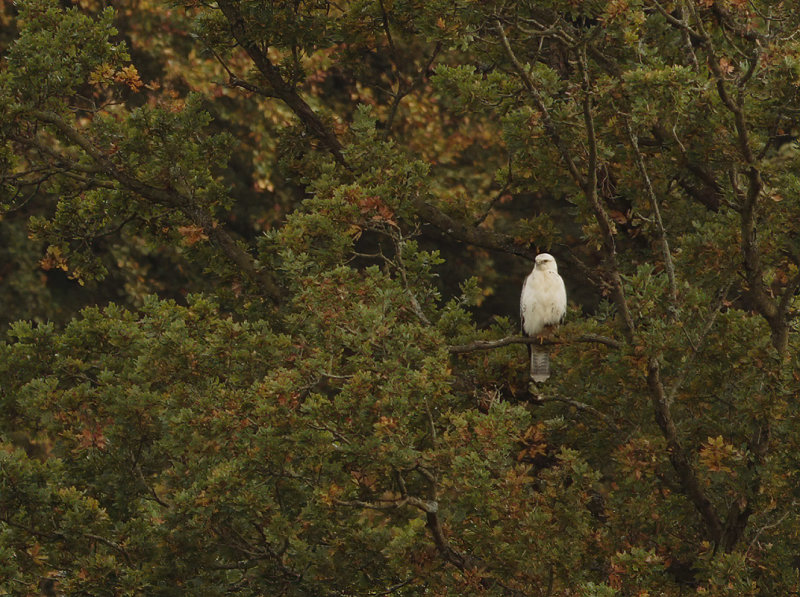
(261, 265)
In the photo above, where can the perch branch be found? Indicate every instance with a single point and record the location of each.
(492, 344)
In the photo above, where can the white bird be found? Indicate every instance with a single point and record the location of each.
(543, 303)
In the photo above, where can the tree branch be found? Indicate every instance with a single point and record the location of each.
(582, 406)
(694, 36)
(667, 256)
(431, 509)
(687, 476)
(547, 120)
(689, 360)
(472, 235)
(751, 254)
(590, 190)
(280, 88)
(403, 89)
(166, 197)
(492, 344)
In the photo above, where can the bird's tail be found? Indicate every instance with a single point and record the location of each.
(540, 365)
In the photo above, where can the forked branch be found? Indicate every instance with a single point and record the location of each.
(690, 484)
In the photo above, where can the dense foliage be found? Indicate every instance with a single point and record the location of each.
(260, 269)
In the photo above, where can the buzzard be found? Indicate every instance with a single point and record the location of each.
(543, 303)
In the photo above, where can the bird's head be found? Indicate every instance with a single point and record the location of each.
(546, 262)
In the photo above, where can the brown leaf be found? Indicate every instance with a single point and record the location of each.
(53, 259)
(726, 65)
(192, 234)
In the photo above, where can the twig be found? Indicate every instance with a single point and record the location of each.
(409, 500)
(113, 545)
(680, 24)
(152, 490)
(690, 360)
(393, 588)
(590, 190)
(668, 265)
(430, 422)
(494, 200)
(415, 306)
(403, 89)
(580, 406)
(547, 121)
(333, 432)
(789, 510)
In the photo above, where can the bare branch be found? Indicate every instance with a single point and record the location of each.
(235, 81)
(151, 489)
(325, 427)
(792, 508)
(112, 544)
(499, 195)
(393, 588)
(459, 560)
(387, 31)
(687, 41)
(403, 89)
